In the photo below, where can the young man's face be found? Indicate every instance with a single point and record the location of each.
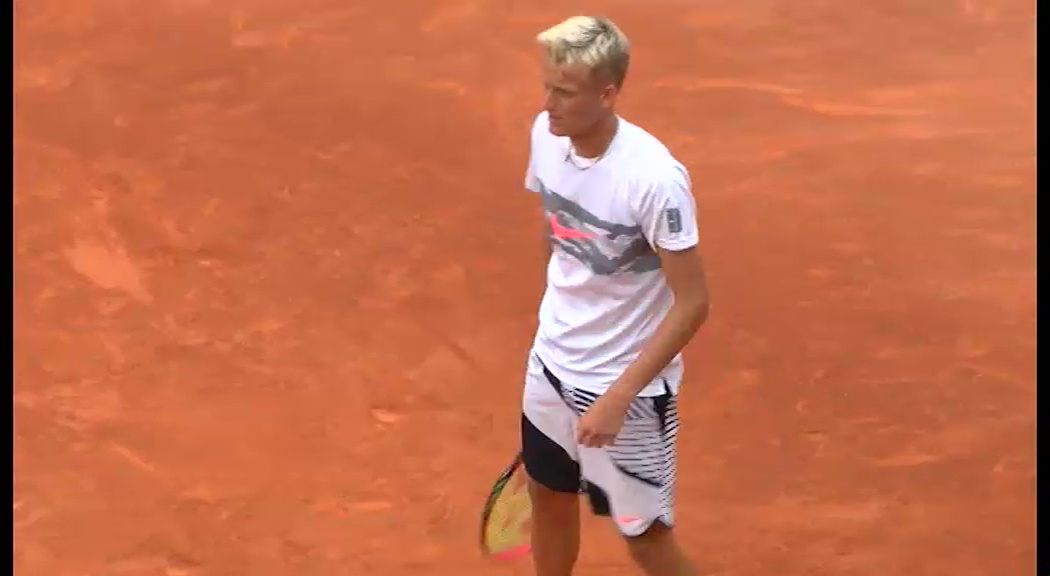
(575, 98)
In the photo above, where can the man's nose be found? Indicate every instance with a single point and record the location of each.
(548, 101)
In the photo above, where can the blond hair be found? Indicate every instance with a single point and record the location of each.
(591, 41)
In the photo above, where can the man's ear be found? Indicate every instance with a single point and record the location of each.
(608, 95)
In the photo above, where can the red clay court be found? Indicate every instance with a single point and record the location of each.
(276, 276)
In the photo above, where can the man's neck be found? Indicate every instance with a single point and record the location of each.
(596, 141)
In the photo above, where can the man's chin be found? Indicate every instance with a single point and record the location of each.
(558, 130)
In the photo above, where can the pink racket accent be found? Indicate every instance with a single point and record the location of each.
(515, 552)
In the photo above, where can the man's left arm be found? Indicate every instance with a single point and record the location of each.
(667, 214)
(685, 275)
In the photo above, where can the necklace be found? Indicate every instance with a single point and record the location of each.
(570, 154)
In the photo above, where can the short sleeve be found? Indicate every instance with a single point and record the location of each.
(666, 211)
(532, 182)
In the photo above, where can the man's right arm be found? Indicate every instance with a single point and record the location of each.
(545, 227)
(532, 184)
(548, 250)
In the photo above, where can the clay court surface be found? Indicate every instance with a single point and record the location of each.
(276, 277)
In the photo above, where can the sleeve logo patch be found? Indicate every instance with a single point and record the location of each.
(674, 220)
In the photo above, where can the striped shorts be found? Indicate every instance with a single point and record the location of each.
(631, 480)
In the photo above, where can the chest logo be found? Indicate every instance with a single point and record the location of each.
(566, 233)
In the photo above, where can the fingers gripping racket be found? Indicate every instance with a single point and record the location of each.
(506, 515)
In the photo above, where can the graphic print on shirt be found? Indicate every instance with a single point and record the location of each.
(604, 247)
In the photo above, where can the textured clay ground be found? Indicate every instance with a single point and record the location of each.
(275, 277)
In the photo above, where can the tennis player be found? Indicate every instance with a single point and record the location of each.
(625, 292)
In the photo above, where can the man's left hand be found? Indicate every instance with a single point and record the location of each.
(600, 424)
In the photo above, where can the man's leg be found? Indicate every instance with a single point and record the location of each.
(657, 553)
(548, 450)
(555, 530)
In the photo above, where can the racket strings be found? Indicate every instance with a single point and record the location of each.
(506, 530)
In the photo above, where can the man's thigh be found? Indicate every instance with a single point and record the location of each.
(548, 433)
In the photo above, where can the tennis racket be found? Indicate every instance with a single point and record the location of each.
(506, 515)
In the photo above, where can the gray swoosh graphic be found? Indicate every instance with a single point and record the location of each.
(612, 247)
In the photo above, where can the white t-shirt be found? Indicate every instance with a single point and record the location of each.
(606, 294)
